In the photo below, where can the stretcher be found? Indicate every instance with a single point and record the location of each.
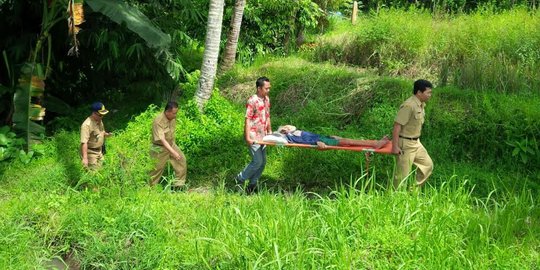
(368, 150)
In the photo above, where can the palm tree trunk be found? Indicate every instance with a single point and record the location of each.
(229, 56)
(211, 53)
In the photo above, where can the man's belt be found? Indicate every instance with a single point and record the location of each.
(412, 139)
(95, 149)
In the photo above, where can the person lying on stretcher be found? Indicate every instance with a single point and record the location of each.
(304, 137)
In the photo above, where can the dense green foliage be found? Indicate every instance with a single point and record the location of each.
(275, 26)
(12, 147)
(316, 209)
(114, 62)
(111, 219)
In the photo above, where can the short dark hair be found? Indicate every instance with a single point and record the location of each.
(421, 85)
(260, 81)
(171, 105)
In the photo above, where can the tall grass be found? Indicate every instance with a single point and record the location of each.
(353, 227)
(484, 50)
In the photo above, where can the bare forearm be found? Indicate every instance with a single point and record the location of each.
(84, 150)
(395, 138)
(247, 127)
(269, 127)
(84, 154)
(395, 133)
(168, 147)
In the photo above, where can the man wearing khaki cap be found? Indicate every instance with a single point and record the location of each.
(164, 147)
(406, 136)
(93, 137)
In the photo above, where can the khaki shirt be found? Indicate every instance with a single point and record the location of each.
(162, 128)
(411, 116)
(92, 133)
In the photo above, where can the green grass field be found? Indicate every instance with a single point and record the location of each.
(316, 209)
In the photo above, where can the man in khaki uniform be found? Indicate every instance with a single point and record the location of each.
(93, 136)
(406, 136)
(164, 147)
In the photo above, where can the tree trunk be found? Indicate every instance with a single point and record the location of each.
(211, 53)
(229, 56)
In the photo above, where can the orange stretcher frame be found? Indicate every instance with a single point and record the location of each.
(368, 150)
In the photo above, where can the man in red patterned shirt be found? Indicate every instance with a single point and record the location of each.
(257, 125)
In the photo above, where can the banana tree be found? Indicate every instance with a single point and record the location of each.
(30, 88)
(27, 101)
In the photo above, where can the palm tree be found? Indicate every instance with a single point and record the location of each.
(229, 56)
(211, 53)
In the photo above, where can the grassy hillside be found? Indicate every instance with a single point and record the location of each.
(317, 209)
(470, 214)
(492, 51)
(463, 126)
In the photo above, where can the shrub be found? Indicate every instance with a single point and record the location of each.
(12, 147)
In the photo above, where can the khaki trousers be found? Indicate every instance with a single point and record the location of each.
(413, 152)
(95, 159)
(161, 156)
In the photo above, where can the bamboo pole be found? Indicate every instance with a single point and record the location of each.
(354, 12)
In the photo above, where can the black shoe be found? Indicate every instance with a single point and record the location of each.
(238, 188)
(238, 185)
(252, 189)
(178, 188)
(238, 181)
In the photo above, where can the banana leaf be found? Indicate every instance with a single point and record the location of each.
(3, 90)
(56, 105)
(135, 20)
(31, 84)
